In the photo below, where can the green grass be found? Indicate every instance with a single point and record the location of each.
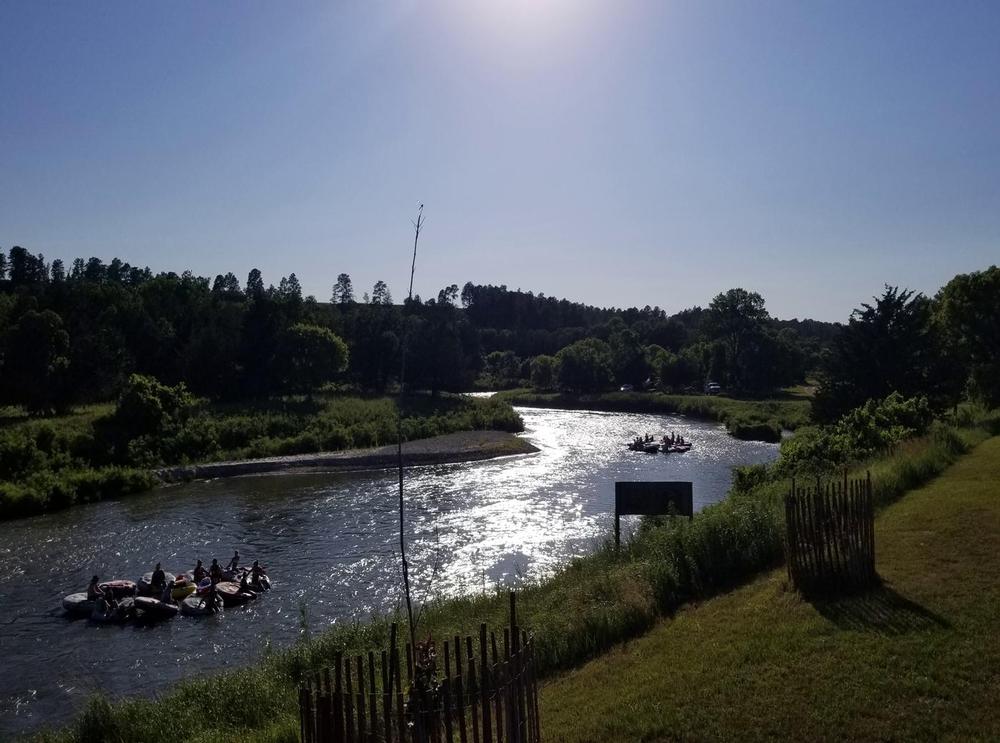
(914, 660)
(747, 419)
(582, 611)
(56, 462)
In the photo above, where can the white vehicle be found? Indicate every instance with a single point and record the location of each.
(712, 388)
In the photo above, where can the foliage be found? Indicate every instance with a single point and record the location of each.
(97, 454)
(887, 347)
(860, 434)
(968, 316)
(544, 372)
(310, 357)
(35, 364)
(584, 366)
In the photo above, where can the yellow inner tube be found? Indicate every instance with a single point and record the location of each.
(182, 592)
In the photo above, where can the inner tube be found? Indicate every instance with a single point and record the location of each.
(195, 606)
(122, 613)
(78, 604)
(154, 608)
(232, 594)
(119, 588)
(145, 585)
(181, 590)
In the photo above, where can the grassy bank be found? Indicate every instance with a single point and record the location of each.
(57, 462)
(590, 606)
(915, 660)
(758, 420)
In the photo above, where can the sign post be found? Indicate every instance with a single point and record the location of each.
(652, 499)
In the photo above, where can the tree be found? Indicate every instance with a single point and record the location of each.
(255, 284)
(310, 356)
(967, 313)
(3, 266)
(380, 293)
(343, 291)
(885, 347)
(58, 271)
(36, 363)
(543, 372)
(628, 357)
(585, 366)
(733, 315)
(227, 287)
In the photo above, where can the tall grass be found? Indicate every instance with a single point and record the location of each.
(575, 614)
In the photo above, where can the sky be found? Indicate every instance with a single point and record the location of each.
(617, 153)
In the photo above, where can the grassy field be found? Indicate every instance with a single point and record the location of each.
(577, 614)
(917, 659)
(747, 419)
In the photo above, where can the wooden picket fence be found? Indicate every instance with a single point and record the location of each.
(487, 693)
(830, 536)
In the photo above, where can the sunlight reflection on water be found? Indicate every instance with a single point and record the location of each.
(330, 541)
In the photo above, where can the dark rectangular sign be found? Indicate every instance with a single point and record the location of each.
(652, 499)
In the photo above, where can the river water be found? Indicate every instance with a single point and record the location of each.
(330, 543)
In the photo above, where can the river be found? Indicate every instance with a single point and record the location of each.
(329, 541)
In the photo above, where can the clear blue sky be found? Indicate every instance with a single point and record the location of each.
(618, 153)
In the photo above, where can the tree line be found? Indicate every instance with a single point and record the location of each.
(75, 335)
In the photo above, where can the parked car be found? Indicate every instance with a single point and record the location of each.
(712, 388)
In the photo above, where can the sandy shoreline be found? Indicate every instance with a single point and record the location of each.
(463, 446)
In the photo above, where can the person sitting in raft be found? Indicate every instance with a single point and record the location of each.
(255, 574)
(199, 572)
(234, 564)
(94, 591)
(159, 579)
(215, 572)
(167, 596)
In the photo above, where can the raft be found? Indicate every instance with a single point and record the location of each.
(119, 588)
(78, 604)
(145, 587)
(182, 589)
(195, 606)
(124, 611)
(150, 608)
(232, 594)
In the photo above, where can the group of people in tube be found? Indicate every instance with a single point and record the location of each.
(252, 580)
(670, 439)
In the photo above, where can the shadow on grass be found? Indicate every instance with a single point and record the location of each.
(881, 610)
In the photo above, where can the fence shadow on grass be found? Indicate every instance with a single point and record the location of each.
(881, 610)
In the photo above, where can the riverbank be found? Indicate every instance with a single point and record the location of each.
(580, 612)
(751, 420)
(462, 446)
(105, 451)
(913, 660)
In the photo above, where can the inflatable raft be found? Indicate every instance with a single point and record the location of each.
(78, 604)
(150, 609)
(119, 588)
(145, 586)
(121, 613)
(232, 594)
(182, 589)
(196, 606)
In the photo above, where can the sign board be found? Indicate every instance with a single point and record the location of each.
(652, 499)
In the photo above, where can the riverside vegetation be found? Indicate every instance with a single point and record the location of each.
(104, 451)
(758, 420)
(576, 614)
